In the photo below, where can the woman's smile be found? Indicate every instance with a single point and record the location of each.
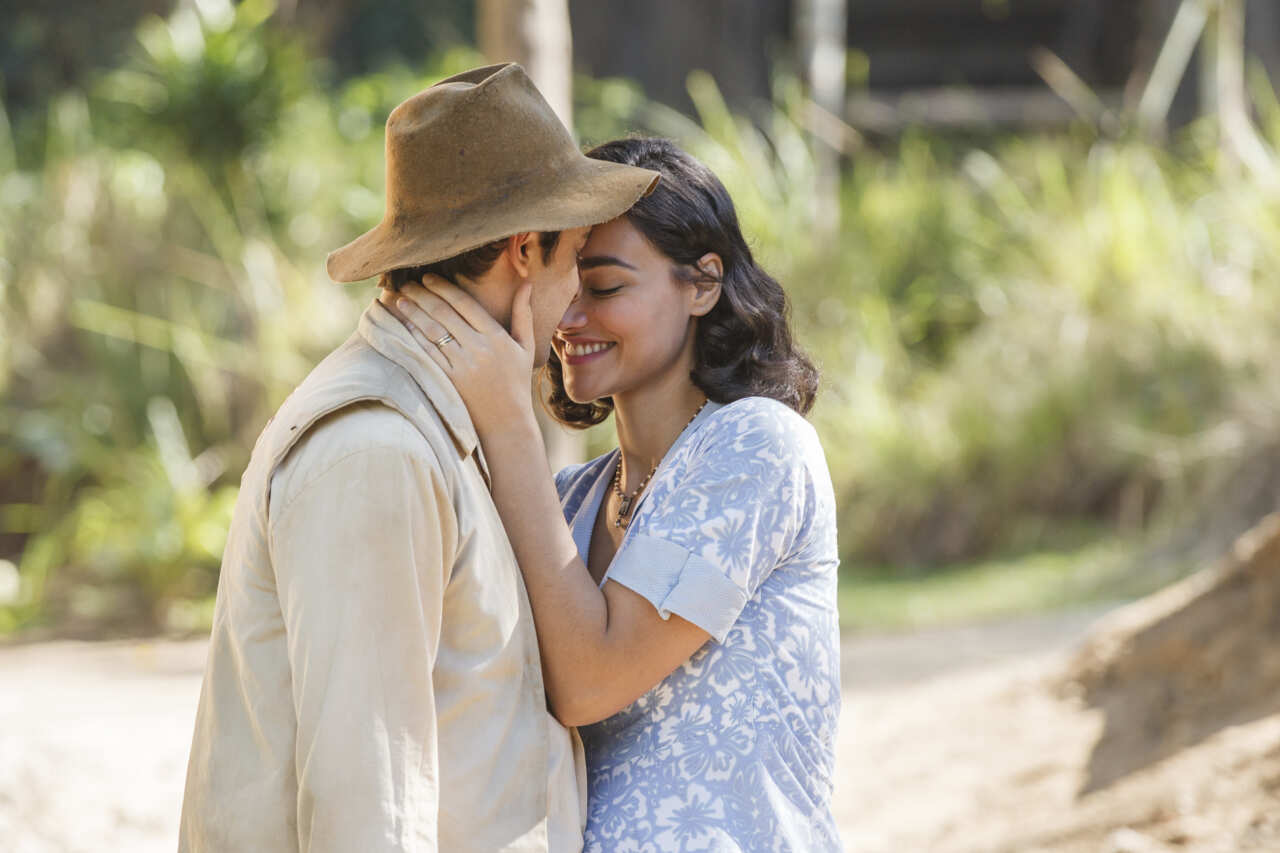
(582, 351)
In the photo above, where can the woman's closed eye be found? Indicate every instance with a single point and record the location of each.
(605, 291)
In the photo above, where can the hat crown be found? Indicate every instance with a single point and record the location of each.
(476, 158)
(467, 139)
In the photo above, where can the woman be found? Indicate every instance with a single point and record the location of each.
(683, 586)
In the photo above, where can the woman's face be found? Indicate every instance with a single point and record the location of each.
(631, 324)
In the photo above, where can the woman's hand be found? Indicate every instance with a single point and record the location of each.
(490, 368)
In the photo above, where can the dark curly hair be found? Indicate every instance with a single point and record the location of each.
(743, 346)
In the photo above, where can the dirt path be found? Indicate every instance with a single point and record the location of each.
(960, 742)
(949, 742)
(943, 731)
(93, 744)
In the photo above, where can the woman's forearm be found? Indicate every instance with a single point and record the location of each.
(601, 648)
(570, 612)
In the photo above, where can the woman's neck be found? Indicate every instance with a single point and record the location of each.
(650, 419)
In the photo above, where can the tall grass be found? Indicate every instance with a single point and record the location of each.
(1021, 340)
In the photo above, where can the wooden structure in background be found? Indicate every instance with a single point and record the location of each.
(948, 63)
(658, 43)
(941, 62)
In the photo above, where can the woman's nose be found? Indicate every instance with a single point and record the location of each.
(574, 317)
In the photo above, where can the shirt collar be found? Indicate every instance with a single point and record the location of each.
(392, 340)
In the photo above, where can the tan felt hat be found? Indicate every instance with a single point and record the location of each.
(476, 158)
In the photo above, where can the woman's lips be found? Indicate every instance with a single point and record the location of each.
(582, 352)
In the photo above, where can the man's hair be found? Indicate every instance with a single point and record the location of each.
(471, 264)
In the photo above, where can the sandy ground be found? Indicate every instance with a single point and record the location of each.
(964, 741)
(950, 741)
(940, 729)
(93, 744)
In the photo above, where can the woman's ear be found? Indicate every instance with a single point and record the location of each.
(706, 290)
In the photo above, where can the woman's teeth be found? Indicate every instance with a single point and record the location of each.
(584, 349)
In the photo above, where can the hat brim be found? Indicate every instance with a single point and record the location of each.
(584, 192)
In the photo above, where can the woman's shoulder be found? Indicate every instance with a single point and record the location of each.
(762, 436)
(759, 421)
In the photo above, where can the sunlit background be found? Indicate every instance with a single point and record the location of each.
(1034, 246)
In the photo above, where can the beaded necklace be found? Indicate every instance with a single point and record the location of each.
(627, 501)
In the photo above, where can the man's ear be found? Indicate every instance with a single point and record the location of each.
(706, 290)
(520, 249)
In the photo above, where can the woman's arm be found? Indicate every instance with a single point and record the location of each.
(602, 648)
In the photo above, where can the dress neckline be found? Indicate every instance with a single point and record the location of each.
(583, 523)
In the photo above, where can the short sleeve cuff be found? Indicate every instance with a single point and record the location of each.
(675, 580)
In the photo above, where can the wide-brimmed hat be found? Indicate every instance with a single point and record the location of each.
(476, 158)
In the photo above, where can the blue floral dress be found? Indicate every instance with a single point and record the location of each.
(735, 750)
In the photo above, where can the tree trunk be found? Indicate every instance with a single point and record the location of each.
(536, 34)
(1176, 51)
(1218, 28)
(1262, 36)
(820, 33)
(1239, 136)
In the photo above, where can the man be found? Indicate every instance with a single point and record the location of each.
(373, 680)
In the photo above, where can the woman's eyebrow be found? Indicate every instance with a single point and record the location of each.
(594, 261)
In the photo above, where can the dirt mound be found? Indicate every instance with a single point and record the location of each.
(1174, 670)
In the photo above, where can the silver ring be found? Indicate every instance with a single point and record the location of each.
(447, 337)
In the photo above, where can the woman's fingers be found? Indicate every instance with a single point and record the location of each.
(429, 295)
(463, 303)
(430, 334)
(430, 302)
(441, 319)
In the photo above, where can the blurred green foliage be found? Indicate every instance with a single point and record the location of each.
(1020, 340)
(207, 85)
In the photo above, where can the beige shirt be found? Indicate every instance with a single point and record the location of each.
(373, 681)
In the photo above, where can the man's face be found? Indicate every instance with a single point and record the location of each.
(555, 283)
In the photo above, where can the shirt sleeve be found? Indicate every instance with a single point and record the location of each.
(726, 516)
(362, 554)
